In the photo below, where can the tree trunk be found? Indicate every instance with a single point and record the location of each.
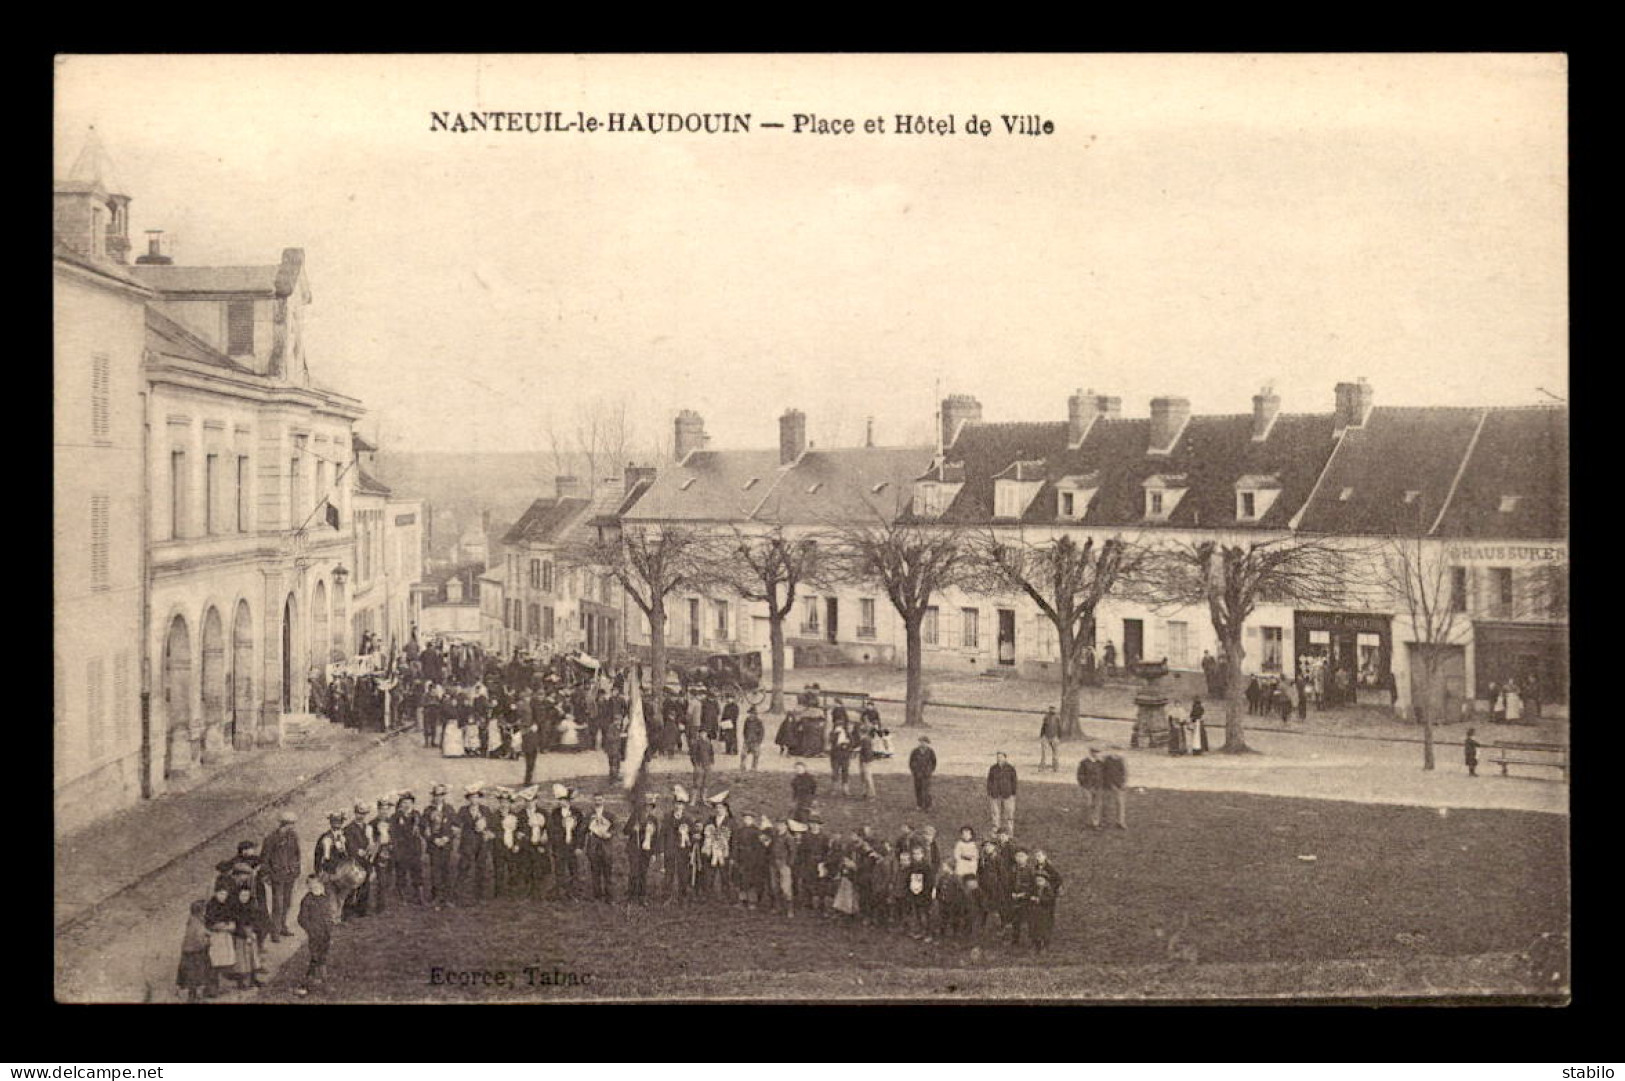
(657, 657)
(1069, 683)
(775, 636)
(914, 711)
(1424, 712)
(1235, 735)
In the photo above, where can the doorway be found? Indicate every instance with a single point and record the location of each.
(287, 654)
(177, 697)
(1007, 636)
(1133, 641)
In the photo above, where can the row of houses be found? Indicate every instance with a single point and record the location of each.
(220, 535)
(1484, 489)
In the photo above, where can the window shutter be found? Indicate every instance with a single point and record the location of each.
(121, 698)
(240, 328)
(100, 398)
(99, 515)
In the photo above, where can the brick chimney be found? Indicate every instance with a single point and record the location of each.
(1168, 419)
(155, 250)
(1083, 409)
(792, 435)
(637, 473)
(690, 433)
(568, 487)
(1266, 404)
(1353, 405)
(869, 433)
(956, 410)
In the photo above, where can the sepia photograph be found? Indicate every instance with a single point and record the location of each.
(811, 528)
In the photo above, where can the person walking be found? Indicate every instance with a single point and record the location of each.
(1114, 777)
(1049, 740)
(1469, 748)
(868, 734)
(1001, 792)
(755, 732)
(282, 862)
(922, 763)
(1091, 780)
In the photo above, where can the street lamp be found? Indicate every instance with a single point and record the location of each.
(340, 574)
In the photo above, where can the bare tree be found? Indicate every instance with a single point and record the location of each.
(651, 565)
(1066, 580)
(768, 568)
(912, 562)
(596, 442)
(1230, 580)
(1418, 574)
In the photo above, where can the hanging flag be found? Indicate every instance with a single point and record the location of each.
(332, 516)
(637, 736)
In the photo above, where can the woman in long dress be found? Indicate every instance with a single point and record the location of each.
(451, 739)
(1514, 699)
(569, 734)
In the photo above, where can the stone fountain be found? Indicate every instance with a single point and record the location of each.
(1151, 705)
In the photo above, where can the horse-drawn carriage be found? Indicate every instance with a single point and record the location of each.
(739, 674)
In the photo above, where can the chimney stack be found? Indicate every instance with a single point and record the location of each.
(568, 487)
(1083, 408)
(956, 410)
(1266, 404)
(1353, 405)
(690, 431)
(155, 250)
(869, 433)
(1168, 419)
(792, 435)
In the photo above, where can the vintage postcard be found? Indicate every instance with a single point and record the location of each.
(816, 528)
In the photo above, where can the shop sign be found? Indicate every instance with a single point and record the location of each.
(1504, 555)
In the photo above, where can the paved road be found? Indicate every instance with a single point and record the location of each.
(127, 951)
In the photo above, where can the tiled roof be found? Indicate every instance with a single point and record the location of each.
(631, 498)
(169, 338)
(1522, 453)
(208, 279)
(1212, 453)
(710, 485)
(105, 267)
(358, 442)
(546, 520)
(1400, 449)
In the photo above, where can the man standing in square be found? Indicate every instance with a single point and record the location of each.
(1092, 780)
(1114, 774)
(922, 763)
(1001, 793)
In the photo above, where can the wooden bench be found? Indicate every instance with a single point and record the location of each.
(1531, 753)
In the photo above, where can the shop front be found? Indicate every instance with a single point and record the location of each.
(1346, 657)
(1535, 655)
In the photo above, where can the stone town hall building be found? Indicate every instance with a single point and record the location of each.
(199, 577)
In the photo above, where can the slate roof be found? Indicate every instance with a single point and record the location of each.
(169, 338)
(820, 487)
(1212, 454)
(209, 279)
(1519, 452)
(105, 267)
(367, 484)
(546, 520)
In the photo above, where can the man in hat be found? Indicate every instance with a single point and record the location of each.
(642, 842)
(332, 850)
(530, 738)
(803, 788)
(1001, 792)
(1091, 779)
(922, 764)
(439, 830)
(358, 840)
(677, 832)
(701, 755)
(564, 839)
(381, 832)
(729, 725)
(474, 835)
(507, 861)
(812, 866)
(538, 871)
(406, 829)
(282, 861)
(1114, 785)
(600, 830)
(316, 916)
(1049, 740)
(755, 732)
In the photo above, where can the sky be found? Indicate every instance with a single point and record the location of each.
(1199, 226)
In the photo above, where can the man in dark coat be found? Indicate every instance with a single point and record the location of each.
(922, 763)
(1210, 668)
(701, 755)
(1049, 740)
(729, 726)
(358, 840)
(282, 860)
(710, 715)
(530, 740)
(802, 790)
(1092, 780)
(565, 827)
(642, 842)
(474, 835)
(316, 918)
(677, 834)
(1114, 778)
(755, 732)
(439, 830)
(600, 833)
(1001, 792)
(406, 834)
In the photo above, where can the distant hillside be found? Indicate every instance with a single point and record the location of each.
(466, 484)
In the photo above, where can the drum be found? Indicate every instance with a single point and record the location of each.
(349, 875)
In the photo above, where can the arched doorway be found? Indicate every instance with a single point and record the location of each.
(177, 697)
(289, 668)
(242, 673)
(214, 682)
(320, 636)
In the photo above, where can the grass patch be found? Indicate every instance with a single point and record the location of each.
(1198, 878)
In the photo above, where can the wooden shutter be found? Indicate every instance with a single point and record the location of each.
(99, 525)
(100, 399)
(121, 699)
(240, 328)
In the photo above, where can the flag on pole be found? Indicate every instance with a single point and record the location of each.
(332, 516)
(637, 734)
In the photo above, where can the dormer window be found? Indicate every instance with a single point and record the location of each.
(932, 497)
(1162, 496)
(1074, 494)
(1255, 495)
(1509, 503)
(1247, 505)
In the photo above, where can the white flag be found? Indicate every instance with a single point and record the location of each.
(637, 734)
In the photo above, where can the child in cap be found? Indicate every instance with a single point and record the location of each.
(195, 974)
(316, 917)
